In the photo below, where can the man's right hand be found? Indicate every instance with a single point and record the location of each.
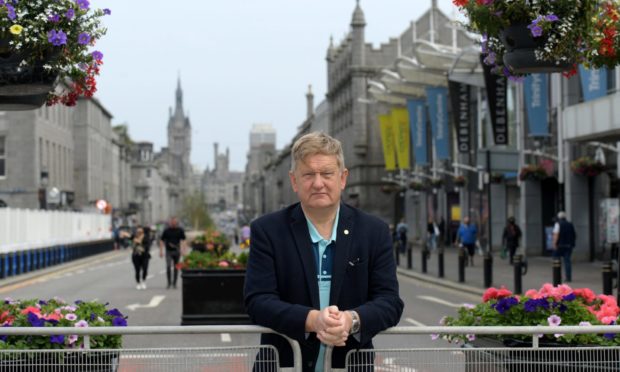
(161, 254)
(329, 325)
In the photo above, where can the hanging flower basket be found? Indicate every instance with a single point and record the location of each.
(417, 186)
(523, 37)
(497, 177)
(533, 172)
(586, 166)
(459, 181)
(436, 182)
(45, 42)
(388, 189)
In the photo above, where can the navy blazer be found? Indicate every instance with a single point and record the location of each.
(281, 280)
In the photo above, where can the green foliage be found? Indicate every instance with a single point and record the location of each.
(213, 260)
(586, 166)
(195, 211)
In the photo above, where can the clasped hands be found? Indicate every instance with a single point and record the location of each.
(330, 324)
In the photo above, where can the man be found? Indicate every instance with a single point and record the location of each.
(511, 237)
(401, 230)
(467, 236)
(320, 272)
(564, 238)
(173, 238)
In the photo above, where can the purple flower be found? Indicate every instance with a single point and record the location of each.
(57, 339)
(490, 59)
(57, 38)
(569, 297)
(83, 38)
(97, 56)
(10, 11)
(114, 312)
(535, 29)
(35, 321)
(554, 320)
(81, 324)
(552, 18)
(107, 11)
(83, 4)
(119, 322)
(434, 336)
(54, 18)
(71, 317)
(471, 337)
(505, 304)
(70, 13)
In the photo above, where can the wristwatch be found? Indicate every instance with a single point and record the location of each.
(355, 322)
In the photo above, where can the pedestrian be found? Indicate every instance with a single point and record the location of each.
(467, 235)
(564, 238)
(401, 231)
(173, 238)
(245, 234)
(140, 257)
(511, 237)
(320, 271)
(432, 235)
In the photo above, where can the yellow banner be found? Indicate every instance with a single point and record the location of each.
(387, 138)
(400, 121)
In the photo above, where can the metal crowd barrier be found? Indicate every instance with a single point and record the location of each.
(475, 357)
(486, 355)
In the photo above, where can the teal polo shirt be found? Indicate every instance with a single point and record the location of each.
(324, 258)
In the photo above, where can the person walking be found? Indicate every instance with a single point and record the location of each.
(401, 230)
(320, 271)
(173, 238)
(467, 235)
(564, 239)
(511, 237)
(140, 257)
(432, 235)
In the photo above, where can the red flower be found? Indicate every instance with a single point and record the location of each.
(460, 3)
(31, 309)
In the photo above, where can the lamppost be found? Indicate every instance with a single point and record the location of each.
(43, 182)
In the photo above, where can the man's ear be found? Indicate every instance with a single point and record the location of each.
(293, 179)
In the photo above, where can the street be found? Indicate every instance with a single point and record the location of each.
(110, 278)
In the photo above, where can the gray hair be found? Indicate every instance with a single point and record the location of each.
(561, 214)
(316, 143)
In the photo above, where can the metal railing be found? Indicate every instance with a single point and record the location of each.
(484, 355)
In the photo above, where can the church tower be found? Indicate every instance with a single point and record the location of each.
(180, 140)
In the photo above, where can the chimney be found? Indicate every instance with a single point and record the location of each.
(309, 102)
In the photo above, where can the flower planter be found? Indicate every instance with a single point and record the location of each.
(212, 296)
(572, 359)
(59, 361)
(23, 87)
(520, 52)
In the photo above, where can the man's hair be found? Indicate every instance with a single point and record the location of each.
(562, 214)
(316, 143)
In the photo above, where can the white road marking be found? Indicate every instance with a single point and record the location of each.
(415, 322)
(80, 271)
(150, 276)
(162, 272)
(439, 301)
(155, 301)
(225, 337)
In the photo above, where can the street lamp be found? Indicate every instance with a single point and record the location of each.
(43, 182)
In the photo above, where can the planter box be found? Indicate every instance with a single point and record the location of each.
(59, 361)
(212, 297)
(571, 358)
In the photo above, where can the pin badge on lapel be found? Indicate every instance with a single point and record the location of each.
(346, 232)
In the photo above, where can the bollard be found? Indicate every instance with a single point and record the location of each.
(462, 261)
(607, 279)
(517, 262)
(557, 271)
(3, 266)
(409, 257)
(440, 262)
(488, 269)
(424, 257)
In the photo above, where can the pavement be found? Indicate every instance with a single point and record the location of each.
(539, 271)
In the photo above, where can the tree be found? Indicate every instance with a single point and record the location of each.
(195, 211)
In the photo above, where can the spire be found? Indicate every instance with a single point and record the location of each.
(309, 102)
(179, 95)
(331, 51)
(358, 16)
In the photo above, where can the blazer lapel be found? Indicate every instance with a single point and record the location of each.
(299, 226)
(344, 238)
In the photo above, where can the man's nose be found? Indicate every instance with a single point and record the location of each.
(318, 181)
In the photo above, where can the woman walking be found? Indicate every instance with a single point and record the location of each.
(140, 258)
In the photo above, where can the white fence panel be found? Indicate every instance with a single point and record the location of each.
(22, 229)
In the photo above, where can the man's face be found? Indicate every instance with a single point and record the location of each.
(173, 222)
(466, 220)
(318, 181)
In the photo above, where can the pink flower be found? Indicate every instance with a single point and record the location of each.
(81, 324)
(72, 339)
(585, 293)
(554, 320)
(532, 293)
(223, 264)
(71, 317)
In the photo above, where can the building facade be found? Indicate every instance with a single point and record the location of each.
(223, 188)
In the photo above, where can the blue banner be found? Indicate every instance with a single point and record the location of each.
(417, 123)
(437, 98)
(593, 83)
(536, 89)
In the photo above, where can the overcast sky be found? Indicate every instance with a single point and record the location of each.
(240, 62)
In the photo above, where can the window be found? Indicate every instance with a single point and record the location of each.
(2, 156)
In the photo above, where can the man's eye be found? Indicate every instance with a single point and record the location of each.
(327, 174)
